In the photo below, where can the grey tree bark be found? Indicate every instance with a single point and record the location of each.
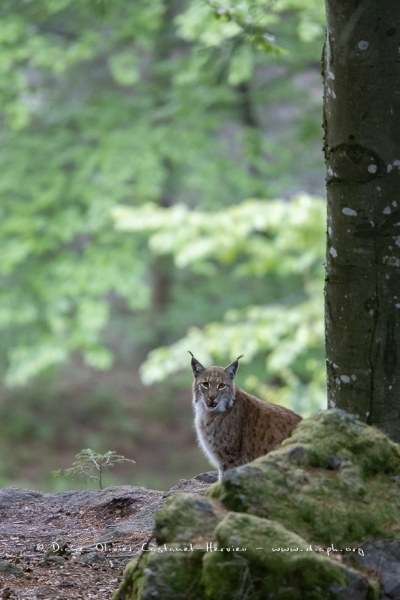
(361, 69)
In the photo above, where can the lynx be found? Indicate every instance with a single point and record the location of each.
(232, 426)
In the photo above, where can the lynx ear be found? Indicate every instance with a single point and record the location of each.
(197, 367)
(233, 367)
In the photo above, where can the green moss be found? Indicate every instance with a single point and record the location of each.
(329, 483)
(259, 558)
(336, 433)
(172, 576)
(186, 518)
(227, 577)
(132, 584)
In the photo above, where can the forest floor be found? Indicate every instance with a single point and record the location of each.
(75, 544)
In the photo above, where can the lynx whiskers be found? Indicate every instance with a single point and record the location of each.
(232, 426)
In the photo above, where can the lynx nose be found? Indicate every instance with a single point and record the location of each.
(210, 401)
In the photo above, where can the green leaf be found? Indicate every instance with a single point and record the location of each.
(124, 68)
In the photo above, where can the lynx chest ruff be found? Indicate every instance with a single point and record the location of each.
(233, 427)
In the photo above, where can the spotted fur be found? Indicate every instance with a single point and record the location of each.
(232, 426)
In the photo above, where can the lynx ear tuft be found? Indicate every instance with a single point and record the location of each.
(233, 367)
(197, 367)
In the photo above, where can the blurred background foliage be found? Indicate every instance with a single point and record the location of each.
(161, 192)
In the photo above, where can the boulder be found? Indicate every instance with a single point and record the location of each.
(303, 521)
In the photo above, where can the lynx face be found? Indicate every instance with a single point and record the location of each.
(213, 388)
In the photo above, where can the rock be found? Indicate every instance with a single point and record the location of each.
(196, 484)
(273, 528)
(58, 548)
(360, 494)
(333, 463)
(187, 518)
(265, 560)
(383, 557)
(166, 576)
(208, 477)
(9, 569)
(91, 558)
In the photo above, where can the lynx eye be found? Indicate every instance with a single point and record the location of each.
(205, 385)
(221, 386)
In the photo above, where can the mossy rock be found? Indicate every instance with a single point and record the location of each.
(272, 528)
(335, 434)
(166, 574)
(132, 584)
(264, 560)
(331, 482)
(187, 518)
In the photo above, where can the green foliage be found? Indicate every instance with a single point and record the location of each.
(280, 242)
(92, 465)
(230, 23)
(166, 110)
(254, 23)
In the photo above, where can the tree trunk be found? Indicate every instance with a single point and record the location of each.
(362, 150)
